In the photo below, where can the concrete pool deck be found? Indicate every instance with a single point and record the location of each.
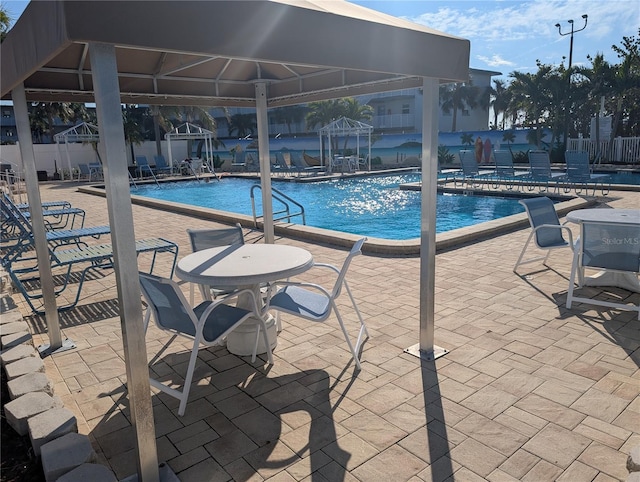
(529, 390)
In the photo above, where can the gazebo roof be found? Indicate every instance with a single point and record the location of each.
(84, 132)
(345, 125)
(188, 131)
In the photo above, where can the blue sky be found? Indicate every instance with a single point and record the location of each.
(508, 35)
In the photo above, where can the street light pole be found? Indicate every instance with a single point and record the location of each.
(585, 17)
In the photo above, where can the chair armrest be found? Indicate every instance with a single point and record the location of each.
(561, 228)
(224, 299)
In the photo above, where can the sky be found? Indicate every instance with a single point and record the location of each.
(508, 35)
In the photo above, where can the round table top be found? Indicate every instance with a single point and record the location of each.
(622, 216)
(243, 265)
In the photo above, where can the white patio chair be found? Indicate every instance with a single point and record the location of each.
(546, 229)
(315, 303)
(206, 324)
(605, 246)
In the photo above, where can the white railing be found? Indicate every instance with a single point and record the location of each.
(623, 150)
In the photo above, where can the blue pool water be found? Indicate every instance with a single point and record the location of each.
(368, 206)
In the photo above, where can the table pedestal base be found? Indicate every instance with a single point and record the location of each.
(242, 340)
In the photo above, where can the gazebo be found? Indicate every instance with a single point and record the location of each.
(83, 132)
(188, 132)
(345, 127)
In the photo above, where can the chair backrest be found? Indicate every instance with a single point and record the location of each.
(160, 162)
(539, 164)
(84, 169)
(541, 211)
(297, 161)
(211, 238)
(577, 164)
(142, 161)
(469, 163)
(355, 251)
(280, 162)
(168, 305)
(504, 163)
(611, 246)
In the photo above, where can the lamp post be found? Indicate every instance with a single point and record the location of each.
(585, 17)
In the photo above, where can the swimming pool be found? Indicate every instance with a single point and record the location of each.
(368, 206)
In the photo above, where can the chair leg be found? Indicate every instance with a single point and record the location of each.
(572, 278)
(524, 249)
(346, 335)
(184, 395)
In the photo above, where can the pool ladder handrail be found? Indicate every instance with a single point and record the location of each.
(282, 198)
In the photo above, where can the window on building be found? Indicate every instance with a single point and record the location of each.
(406, 109)
(465, 112)
(6, 113)
(380, 110)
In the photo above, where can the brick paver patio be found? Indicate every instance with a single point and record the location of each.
(529, 390)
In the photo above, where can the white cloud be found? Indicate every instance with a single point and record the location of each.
(495, 61)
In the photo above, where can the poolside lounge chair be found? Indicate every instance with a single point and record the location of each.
(471, 173)
(546, 229)
(505, 170)
(161, 166)
(579, 174)
(96, 256)
(55, 218)
(540, 171)
(281, 165)
(298, 163)
(594, 251)
(90, 172)
(315, 303)
(206, 324)
(16, 228)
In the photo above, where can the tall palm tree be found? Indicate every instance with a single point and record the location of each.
(500, 99)
(531, 94)
(458, 96)
(289, 115)
(322, 113)
(42, 116)
(132, 124)
(243, 124)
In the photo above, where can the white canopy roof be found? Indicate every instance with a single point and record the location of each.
(189, 131)
(84, 132)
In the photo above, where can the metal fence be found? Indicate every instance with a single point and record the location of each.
(622, 150)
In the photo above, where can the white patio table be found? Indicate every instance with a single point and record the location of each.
(245, 266)
(626, 280)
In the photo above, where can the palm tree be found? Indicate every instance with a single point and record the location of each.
(455, 97)
(132, 122)
(500, 99)
(322, 113)
(289, 115)
(5, 22)
(244, 124)
(531, 94)
(466, 139)
(42, 116)
(509, 137)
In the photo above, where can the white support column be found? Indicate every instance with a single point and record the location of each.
(265, 163)
(426, 348)
(109, 113)
(23, 128)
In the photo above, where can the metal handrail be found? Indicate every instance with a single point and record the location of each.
(282, 198)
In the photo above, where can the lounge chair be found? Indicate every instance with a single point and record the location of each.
(161, 166)
(605, 246)
(206, 324)
(540, 171)
(96, 256)
(298, 163)
(17, 228)
(471, 175)
(579, 174)
(90, 172)
(505, 170)
(55, 218)
(282, 164)
(315, 303)
(546, 229)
